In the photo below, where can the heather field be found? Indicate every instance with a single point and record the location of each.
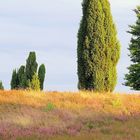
(30, 115)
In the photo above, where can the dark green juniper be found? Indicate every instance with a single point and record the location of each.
(133, 77)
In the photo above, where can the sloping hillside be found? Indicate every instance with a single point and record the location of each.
(28, 115)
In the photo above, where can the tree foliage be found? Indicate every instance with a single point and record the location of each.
(1, 86)
(35, 83)
(133, 77)
(23, 78)
(41, 75)
(98, 47)
(31, 65)
(14, 80)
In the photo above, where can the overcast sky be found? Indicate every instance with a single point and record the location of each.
(50, 28)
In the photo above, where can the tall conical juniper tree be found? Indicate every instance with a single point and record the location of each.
(133, 77)
(1, 86)
(41, 75)
(23, 78)
(31, 65)
(14, 80)
(98, 47)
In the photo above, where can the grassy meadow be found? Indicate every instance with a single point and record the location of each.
(28, 115)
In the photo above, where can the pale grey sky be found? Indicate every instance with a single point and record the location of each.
(50, 28)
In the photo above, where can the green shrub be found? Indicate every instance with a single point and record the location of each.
(35, 83)
(49, 107)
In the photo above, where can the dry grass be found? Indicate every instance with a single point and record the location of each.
(69, 116)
